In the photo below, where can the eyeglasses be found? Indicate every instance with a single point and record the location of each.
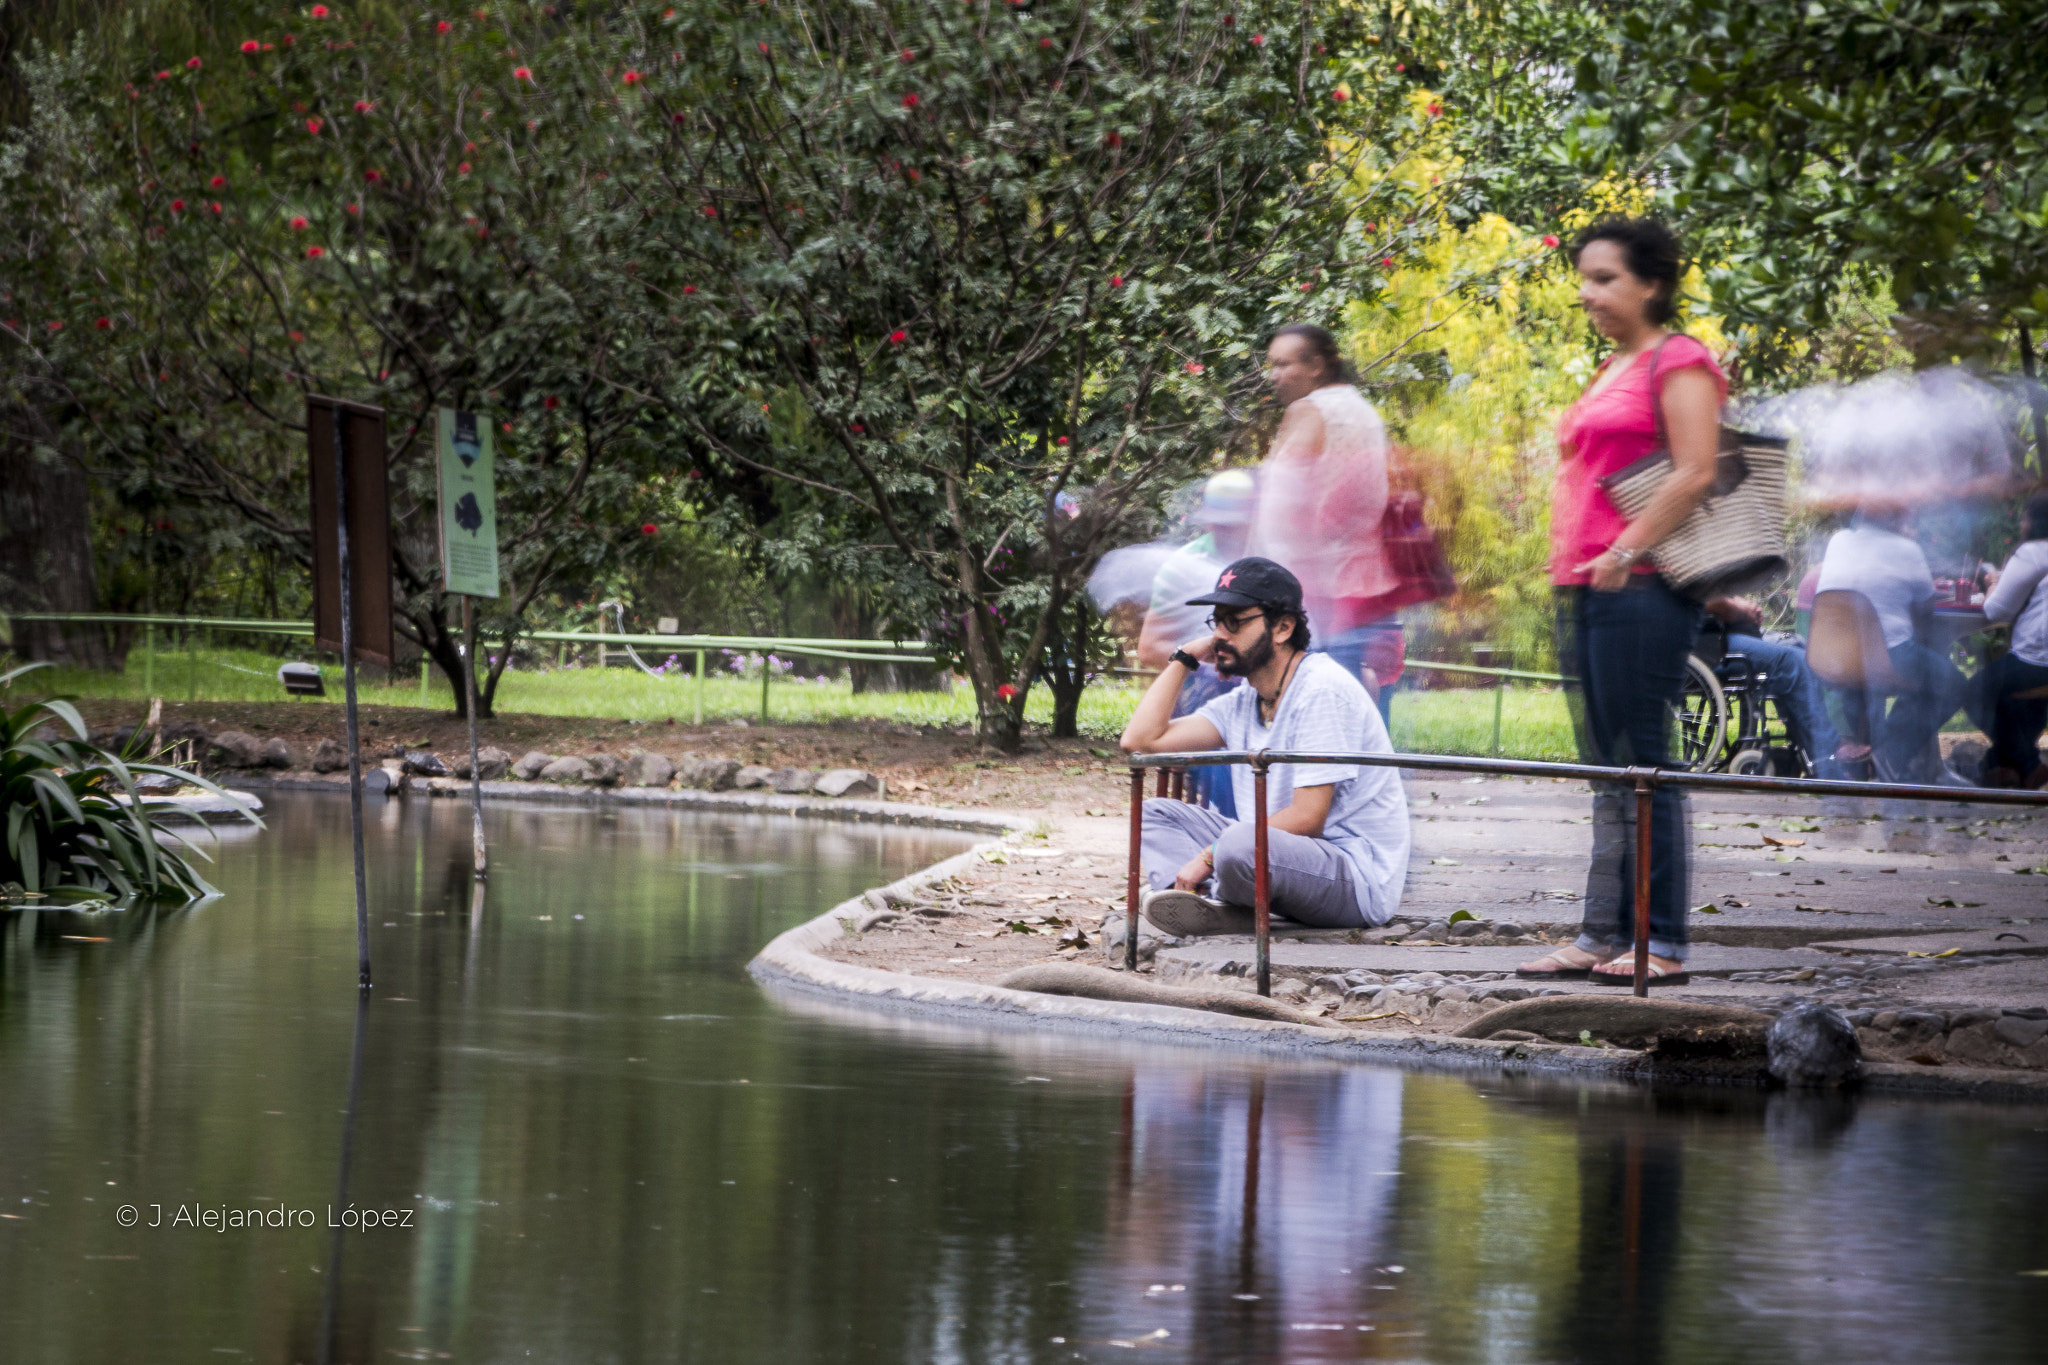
(1231, 624)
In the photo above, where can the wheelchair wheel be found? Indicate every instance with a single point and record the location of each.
(1700, 719)
(1750, 763)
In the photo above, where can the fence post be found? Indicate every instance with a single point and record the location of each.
(1500, 687)
(149, 660)
(1642, 895)
(1262, 878)
(699, 719)
(764, 689)
(1131, 878)
(426, 671)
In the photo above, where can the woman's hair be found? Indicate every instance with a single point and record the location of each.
(2035, 523)
(1324, 347)
(1651, 252)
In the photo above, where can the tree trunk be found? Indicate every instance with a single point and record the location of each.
(46, 555)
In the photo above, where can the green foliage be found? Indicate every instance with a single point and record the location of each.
(1805, 141)
(76, 826)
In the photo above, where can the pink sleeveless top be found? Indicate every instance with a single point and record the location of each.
(1602, 435)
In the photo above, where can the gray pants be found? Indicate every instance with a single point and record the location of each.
(1311, 879)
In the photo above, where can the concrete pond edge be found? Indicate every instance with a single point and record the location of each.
(790, 962)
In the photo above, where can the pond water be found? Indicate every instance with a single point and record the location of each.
(602, 1142)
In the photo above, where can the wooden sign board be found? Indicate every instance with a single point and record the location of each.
(369, 528)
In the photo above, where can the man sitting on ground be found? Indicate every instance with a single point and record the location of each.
(1337, 835)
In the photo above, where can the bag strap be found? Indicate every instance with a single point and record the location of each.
(1656, 399)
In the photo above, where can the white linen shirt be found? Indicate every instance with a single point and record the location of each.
(1885, 567)
(1324, 709)
(2018, 599)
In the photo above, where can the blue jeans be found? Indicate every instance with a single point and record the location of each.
(1357, 647)
(1627, 650)
(1793, 686)
(2016, 722)
(1934, 689)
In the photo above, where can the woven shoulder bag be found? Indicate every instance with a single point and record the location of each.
(1736, 536)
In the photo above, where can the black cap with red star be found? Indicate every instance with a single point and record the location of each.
(1254, 582)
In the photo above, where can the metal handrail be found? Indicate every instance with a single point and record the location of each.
(1644, 780)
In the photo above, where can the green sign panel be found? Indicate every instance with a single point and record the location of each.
(469, 506)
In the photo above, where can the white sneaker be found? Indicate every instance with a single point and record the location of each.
(1184, 913)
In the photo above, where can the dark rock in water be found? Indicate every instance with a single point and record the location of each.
(276, 753)
(567, 769)
(378, 782)
(711, 774)
(157, 784)
(330, 756)
(794, 781)
(604, 768)
(647, 770)
(425, 763)
(1815, 1045)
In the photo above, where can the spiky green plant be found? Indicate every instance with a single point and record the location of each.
(76, 826)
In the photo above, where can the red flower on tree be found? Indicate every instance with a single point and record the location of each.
(689, 289)
(648, 528)
(1386, 260)
(352, 209)
(1258, 40)
(373, 176)
(215, 206)
(1112, 139)
(193, 63)
(1435, 110)
(520, 73)
(631, 78)
(907, 55)
(300, 225)
(1006, 693)
(56, 326)
(103, 323)
(1116, 281)
(1339, 96)
(1549, 240)
(364, 106)
(313, 126)
(443, 26)
(298, 336)
(898, 337)
(318, 11)
(910, 100)
(219, 182)
(551, 402)
(462, 169)
(1061, 441)
(177, 206)
(251, 45)
(314, 253)
(1230, 21)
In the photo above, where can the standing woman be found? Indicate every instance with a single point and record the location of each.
(1621, 631)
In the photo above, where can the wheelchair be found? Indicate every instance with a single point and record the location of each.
(1724, 720)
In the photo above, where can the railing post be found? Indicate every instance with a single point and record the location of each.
(1262, 877)
(1644, 784)
(1499, 691)
(149, 660)
(764, 689)
(1159, 783)
(699, 717)
(1131, 879)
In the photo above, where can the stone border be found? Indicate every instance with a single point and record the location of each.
(686, 798)
(790, 963)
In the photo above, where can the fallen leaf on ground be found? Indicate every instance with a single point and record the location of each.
(1778, 842)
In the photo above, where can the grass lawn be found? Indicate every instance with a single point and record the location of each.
(1534, 723)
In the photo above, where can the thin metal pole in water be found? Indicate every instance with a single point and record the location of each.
(699, 716)
(1643, 792)
(476, 780)
(330, 1299)
(1131, 879)
(1262, 877)
(348, 683)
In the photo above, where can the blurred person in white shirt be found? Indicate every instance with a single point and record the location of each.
(2016, 598)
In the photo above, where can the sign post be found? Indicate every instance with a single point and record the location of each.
(351, 582)
(467, 482)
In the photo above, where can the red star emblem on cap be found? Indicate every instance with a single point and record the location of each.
(1224, 581)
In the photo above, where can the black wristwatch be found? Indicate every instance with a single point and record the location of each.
(1187, 661)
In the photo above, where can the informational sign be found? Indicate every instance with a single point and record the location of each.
(369, 527)
(469, 506)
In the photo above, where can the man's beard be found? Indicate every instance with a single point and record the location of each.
(1231, 664)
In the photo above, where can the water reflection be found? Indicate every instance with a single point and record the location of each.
(611, 1146)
